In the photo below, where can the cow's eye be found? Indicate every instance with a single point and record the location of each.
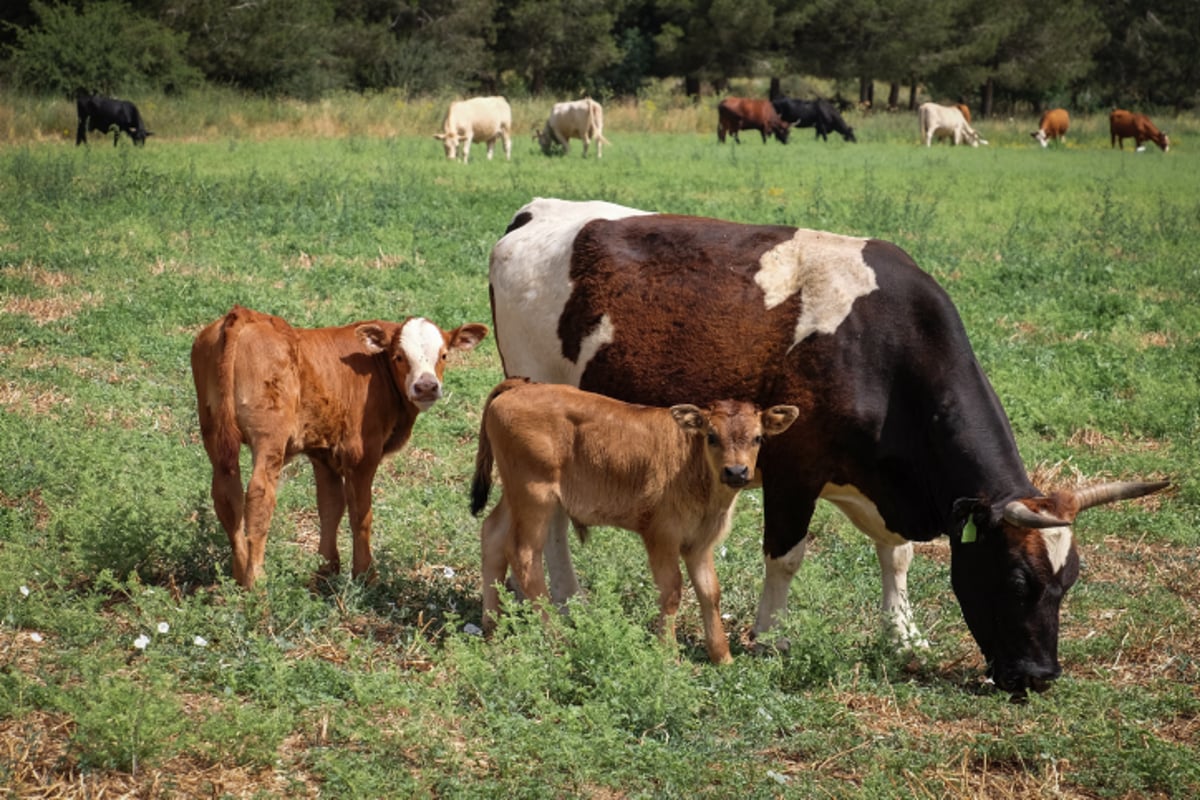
(758, 440)
(712, 439)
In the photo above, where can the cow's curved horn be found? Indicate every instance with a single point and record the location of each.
(1021, 515)
(1118, 490)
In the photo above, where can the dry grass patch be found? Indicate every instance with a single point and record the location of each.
(47, 310)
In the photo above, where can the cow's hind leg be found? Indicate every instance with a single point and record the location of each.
(564, 582)
(229, 502)
(331, 506)
(493, 543)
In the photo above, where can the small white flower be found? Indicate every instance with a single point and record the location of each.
(24, 591)
(724, 552)
(727, 617)
(472, 629)
(775, 776)
(141, 641)
(200, 641)
(448, 572)
(163, 627)
(35, 636)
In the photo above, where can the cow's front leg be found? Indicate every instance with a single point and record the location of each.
(358, 500)
(894, 561)
(703, 574)
(331, 505)
(777, 580)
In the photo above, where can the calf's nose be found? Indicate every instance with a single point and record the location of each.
(426, 388)
(736, 475)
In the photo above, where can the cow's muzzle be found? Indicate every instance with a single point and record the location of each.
(736, 476)
(426, 390)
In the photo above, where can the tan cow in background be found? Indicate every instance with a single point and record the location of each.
(484, 119)
(580, 119)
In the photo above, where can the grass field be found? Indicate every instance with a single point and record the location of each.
(1076, 274)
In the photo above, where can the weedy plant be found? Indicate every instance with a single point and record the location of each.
(131, 663)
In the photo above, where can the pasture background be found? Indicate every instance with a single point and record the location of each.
(1074, 269)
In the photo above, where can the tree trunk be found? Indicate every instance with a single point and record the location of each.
(691, 87)
(985, 102)
(866, 92)
(894, 96)
(775, 90)
(912, 95)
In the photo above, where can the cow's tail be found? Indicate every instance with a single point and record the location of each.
(481, 485)
(596, 121)
(225, 443)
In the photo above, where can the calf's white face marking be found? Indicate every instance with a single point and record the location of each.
(827, 270)
(421, 342)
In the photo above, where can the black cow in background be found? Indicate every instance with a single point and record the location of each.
(819, 114)
(99, 113)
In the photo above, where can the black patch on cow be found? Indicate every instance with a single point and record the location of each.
(518, 221)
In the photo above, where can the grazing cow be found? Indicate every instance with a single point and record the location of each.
(819, 114)
(669, 474)
(484, 119)
(1124, 125)
(1053, 125)
(744, 114)
(581, 119)
(946, 122)
(899, 428)
(345, 397)
(102, 114)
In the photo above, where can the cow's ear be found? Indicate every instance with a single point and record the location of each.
(465, 337)
(373, 337)
(963, 525)
(689, 417)
(777, 419)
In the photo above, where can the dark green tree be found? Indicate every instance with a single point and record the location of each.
(557, 44)
(105, 47)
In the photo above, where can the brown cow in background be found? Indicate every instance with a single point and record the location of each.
(1124, 125)
(745, 114)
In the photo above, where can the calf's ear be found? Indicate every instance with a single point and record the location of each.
(777, 419)
(689, 417)
(465, 337)
(373, 337)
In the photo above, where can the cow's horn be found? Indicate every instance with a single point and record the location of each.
(1021, 515)
(1118, 490)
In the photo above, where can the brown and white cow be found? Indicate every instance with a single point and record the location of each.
(345, 397)
(899, 427)
(746, 114)
(484, 119)
(671, 475)
(1053, 125)
(1124, 125)
(946, 122)
(580, 119)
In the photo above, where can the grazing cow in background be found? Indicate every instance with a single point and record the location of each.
(898, 427)
(102, 114)
(745, 114)
(581, 119)
(478, 119)
(1124, 125)
(946, 122)
(819, 114)
(1053, 125)
(345, 397)
(671, 475)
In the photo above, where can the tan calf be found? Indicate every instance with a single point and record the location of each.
(345, 397)
(670, 475)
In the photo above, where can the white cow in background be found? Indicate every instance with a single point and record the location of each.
(946, 122)
(581, 119)
(480, 118)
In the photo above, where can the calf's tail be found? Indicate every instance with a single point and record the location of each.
(481, 485)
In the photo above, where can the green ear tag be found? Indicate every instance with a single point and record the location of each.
(969, 532)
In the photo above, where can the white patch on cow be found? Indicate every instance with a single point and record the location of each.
(421, 342)
(530, 280)
(1058, 546)
(827, 270)
(860, 510)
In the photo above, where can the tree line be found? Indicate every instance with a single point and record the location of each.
(994, 54)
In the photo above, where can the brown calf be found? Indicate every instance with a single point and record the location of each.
(1124, 125)
(747, 114)
(345, 397)
(670, 475)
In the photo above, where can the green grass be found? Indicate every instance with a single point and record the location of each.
(1074, 270)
